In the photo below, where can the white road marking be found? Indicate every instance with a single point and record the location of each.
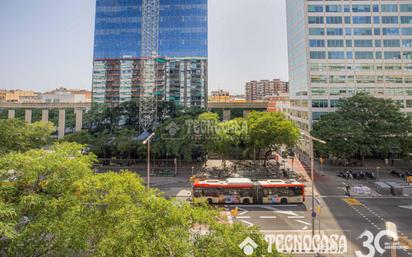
(243, 211)
(296, 217)
(305, 227)
(267, 217)
(289, 213)
(406, 206)
(303, 222)
(243, 217)
(269, 208)
(247, 223)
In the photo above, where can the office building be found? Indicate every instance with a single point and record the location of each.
(340, 48)
(259, 90)
(122, 34)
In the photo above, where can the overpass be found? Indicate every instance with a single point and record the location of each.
(80, 107)
(45, 107)
(228, 106)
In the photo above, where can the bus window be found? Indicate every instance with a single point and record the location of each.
(295, 191)
(246, 193)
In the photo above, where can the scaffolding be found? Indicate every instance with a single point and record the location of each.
(150, 43)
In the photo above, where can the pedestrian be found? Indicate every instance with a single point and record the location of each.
(348, 190)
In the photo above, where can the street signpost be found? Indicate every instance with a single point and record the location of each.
(392, 230)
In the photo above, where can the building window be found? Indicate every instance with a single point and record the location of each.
(316, 43)
(333, 8)
(316, 31)
(378, 43)
(390, 31)
(407, 43)
(317, 55)
(376, 20)
(318, 79)
(389, 8)
(407, 55)
(336, 55)
(362, 20)
(334, 32)
(406, 19)
(406, 7)
(361, 8)
(334, 20)
(315, 20)
(334, 103)
(335, 43)
(364, 55)
(378, 55)
(318, 91)
(320, 103)
(391, 43)
(317, 115)
(315, 8)
(406, 31)
(362, 31)
(390, 20)
(392, 55)
(363, 43)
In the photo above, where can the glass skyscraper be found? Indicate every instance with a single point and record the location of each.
(181, 66)
(341, 47)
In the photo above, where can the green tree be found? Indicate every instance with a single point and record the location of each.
(61, 208)
(16, 135)
(363, 126)
(270, 130)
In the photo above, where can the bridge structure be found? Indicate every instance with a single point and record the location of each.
(227, 107)
(79, 108)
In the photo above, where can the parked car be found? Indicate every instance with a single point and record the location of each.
(397, 174)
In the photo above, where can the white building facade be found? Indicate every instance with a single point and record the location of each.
(338, 48)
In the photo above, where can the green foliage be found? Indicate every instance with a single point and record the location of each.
(363, 126)
(208, 116)
(16, 135)
(59, 207)
(270, 130)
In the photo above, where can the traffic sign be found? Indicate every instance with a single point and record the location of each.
(313, 214)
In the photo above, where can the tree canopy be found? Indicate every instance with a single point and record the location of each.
(16, 135)
(363, 126)
(270, 130)
(57, 206)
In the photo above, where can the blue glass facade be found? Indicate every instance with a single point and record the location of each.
(118, 28)
(182, 28)
(182, 36)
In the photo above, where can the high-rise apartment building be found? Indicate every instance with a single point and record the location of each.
(180, 69)
(342, 47)
(262, 89)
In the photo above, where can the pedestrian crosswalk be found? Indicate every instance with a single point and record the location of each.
(352, 201)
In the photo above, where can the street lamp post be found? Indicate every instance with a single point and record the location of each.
(147, 141)
(377, 172)
(311, 139)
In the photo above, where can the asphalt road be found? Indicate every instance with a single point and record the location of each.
(349, 216)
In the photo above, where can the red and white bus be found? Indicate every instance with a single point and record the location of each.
(245, 191)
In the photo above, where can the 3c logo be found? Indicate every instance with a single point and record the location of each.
(372, 243)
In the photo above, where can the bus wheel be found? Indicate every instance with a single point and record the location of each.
(246, 201)
(209, 200)
(284, 201)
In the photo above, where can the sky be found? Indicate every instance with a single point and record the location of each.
(45, 44)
